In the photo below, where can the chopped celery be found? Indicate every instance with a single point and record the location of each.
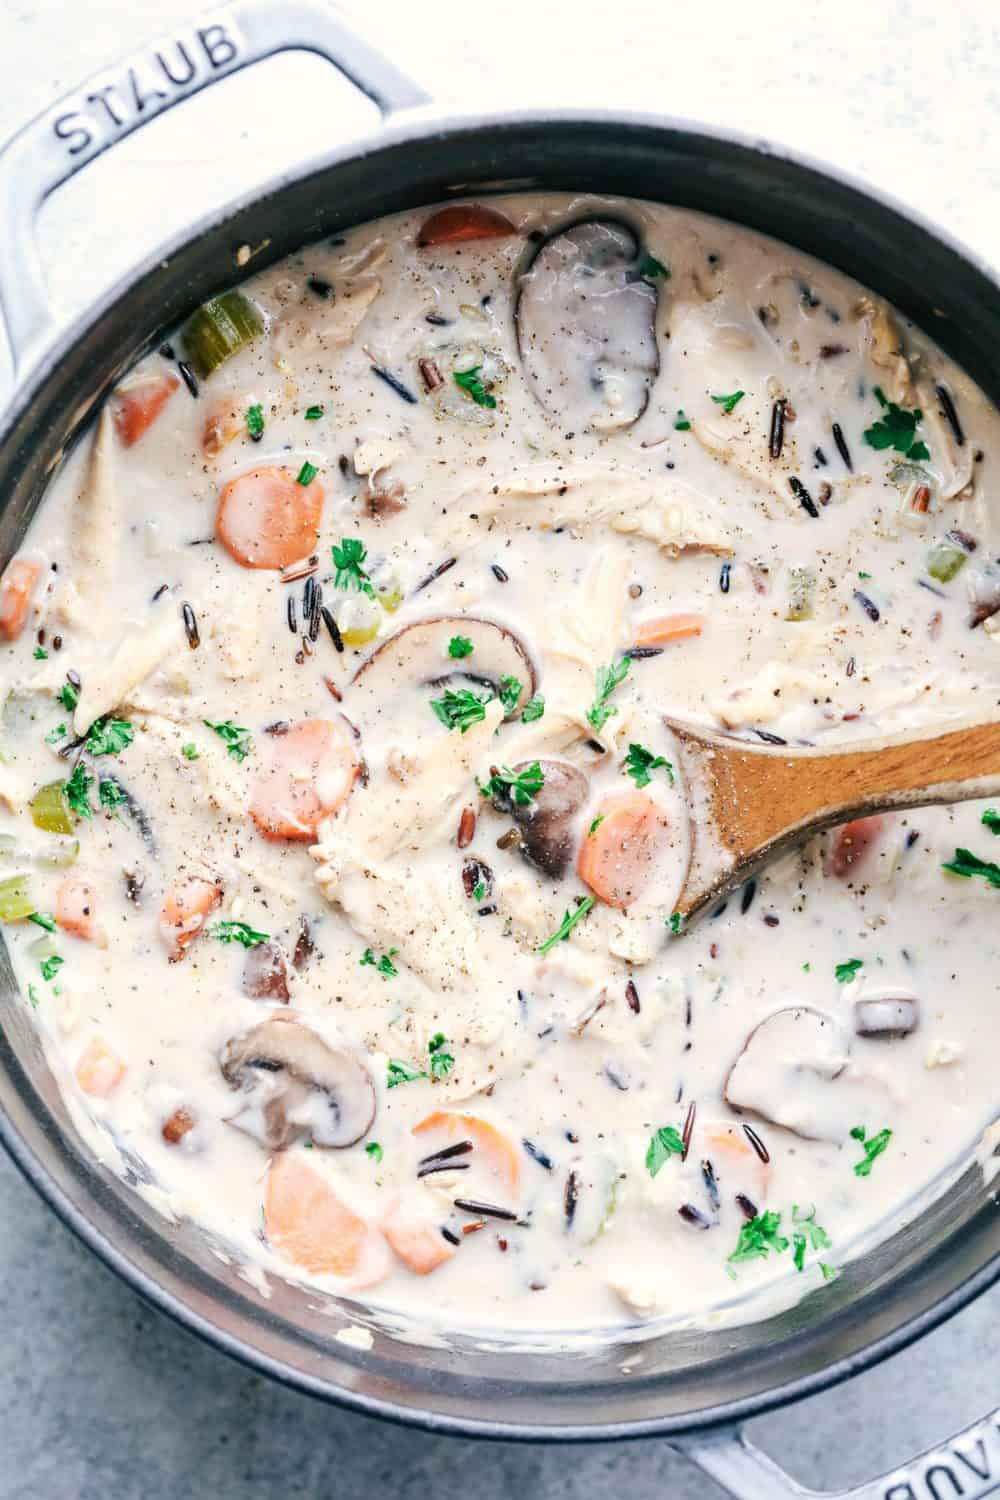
(359, 619)
(8, 846)
(49, 809)
(16, 901)
(220, 327)
(59, 854)
(801, 594)
(44, 948)
(945, 559)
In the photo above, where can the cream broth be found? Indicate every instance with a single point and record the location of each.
(355, 923)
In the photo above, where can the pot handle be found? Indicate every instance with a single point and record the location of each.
(967, 1465)
(113, 103)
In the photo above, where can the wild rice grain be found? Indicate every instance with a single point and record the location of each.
(757, 1143)
(190, 626)
(333, 628)
(189, 378)
(842, 448)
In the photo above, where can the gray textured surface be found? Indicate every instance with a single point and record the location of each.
(99, 1396)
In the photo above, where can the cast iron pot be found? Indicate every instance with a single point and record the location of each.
(693, 1386)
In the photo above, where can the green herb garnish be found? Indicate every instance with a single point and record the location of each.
(109, 736)
(808, 1235)
(348, 559)
(55, 735)
(567, 924)
(459, 708)
(384, 965)
(663, 1144)
(77, 790)
(845, 972)
(190, 751)
(374, 1150)
(533, 709)
(40, 653)
(510, 691)
(676, 921)
(237, 740)
(729, 403)
(650, 266)
(968, 864)
(681, 423)
(639, 762)
(238, 932)
(479, 892)
(111, 795)
(608, 678)
(68, 696)
(42, 919)
(401, 1072)
(991, 820)
(469, 382)
(595, 825)
(758, 1238)
(313, 414)
(441, 1062)
(872, 1146)
(518, 786)
(51, 966)
(897, 429)
(307, 473)
(255, 424)
(460, 646)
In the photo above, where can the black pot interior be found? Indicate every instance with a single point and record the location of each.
(682, 1376)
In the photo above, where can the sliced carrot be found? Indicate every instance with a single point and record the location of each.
(852, 843)
(307, 1223)
(136, 406)
(266, 519)
(464, 221)
(621, 857)
(494, 1161)
(662, 629)
(76, 907)
(418, 1242)
(16, 588)
(222, 424)
(99, 1070)
(185, 907)
(308, 773)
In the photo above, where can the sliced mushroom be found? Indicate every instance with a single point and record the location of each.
(265, 973)
(887, 1015)
(293, 1084)
(546, 822)
(790, 1072)
(419, 653)
(585, 320)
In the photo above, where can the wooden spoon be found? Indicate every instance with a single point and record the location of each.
(749, 803)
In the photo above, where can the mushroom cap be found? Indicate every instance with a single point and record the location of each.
(788, 1072)
(295, 1084)
(585, 319)
(886, 1014)
(546, 822)
(418, 653)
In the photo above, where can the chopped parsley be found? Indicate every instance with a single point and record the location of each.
(109, 736)
(459, 708)
(348, 559)
(77, 790)
(111, 795)
(442, 1062)
(567, 924)
(68, 696)
(33, 995)
(871, 1145)
(460, 646)
(650, 266)
(758, 1238)
(675, 922)
(608, 678)
(237, 740)
(55, 735)
(595, 825)
(313, 413)
(848, 970)
(518, 786)
(42, 919)
(480, 891)
(896, 429)
(729, 403)
(384, 965)
(510, 691)
(968, 864)
(374, 1150)
(190, 751)
(681, 423)
(307, 473)
(238, 932)
(401, 1072)
(533, 709)
(639, 762)
(863, 576)
(40, 653)
(663, 1144)
(255, 423)
(469, 382)
(808, 1235)
(991, 820)
(51, 966)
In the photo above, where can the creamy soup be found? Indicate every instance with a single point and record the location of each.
(343, 832)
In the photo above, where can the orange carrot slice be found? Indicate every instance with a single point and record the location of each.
(266, 519)
(852, 843)
(418, 1242)
(464, 221)
(222, 424)
(494, 1161)
(308, 773)
(16, 588)
(99, 1070)
(185, 907)
(621, 857)
(136, 406)
(76, 906)
(308, 1224)
(662, 629)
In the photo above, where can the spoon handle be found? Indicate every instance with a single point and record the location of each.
(749, 801)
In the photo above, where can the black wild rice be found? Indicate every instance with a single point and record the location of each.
(538, 1155)
(632, 996)
(293, 622)
(776, 438)
(756, 1143)
(442, 1166)
(570, 1198)
(332, 627)
(189, 378)
(688, 1130)
(769, 738)
(711, 1185)
(869, 606)
(746, 1206)
(449, 562)
(460, 1148)
(724, 574)
(692, 1215)
(319, 287)
(485, 1210)
(450, 1235)
(951, 415)
(803, 496)
(190, 626)
(642, 653)
(746, 900)
(499, 573)
(842, 448)
(394, 384)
